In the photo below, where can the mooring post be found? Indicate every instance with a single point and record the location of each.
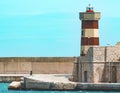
(31, 73)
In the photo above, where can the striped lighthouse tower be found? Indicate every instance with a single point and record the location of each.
(89, 32)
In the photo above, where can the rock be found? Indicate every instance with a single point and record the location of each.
(14, 85)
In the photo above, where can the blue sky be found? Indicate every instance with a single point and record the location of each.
(33, 28)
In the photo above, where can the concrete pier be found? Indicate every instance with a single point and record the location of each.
(60, 82)
(11, 77)
(49, 82)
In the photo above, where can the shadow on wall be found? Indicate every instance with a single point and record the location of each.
(109, 74)
(104, 77)
(87, 72)
(75, 73)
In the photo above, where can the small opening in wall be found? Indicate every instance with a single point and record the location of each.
(82, 33)
(85, 76)
(119, 59)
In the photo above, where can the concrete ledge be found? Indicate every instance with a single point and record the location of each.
(11, 77)
(99, 86)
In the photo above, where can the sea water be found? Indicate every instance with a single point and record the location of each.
(4, 89)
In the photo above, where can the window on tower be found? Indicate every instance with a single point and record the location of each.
(82, 33)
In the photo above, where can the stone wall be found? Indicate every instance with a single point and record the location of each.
(100, 72)
(102, 54)
(38, 65)
(101, 63)
(106, 53)
(88, 67)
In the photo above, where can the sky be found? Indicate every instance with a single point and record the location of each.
(51, 28)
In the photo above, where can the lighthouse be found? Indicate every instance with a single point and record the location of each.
(89, 29)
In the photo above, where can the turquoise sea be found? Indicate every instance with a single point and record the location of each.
(4, 89)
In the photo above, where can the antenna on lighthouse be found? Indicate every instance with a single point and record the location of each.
(89, 8)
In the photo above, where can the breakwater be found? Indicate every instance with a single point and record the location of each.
(62, 82)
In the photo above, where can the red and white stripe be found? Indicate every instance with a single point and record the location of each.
(89, 32)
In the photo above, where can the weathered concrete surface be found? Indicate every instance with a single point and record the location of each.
(49, 82)
(38, 65)
(11, 77)
(99, 86)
